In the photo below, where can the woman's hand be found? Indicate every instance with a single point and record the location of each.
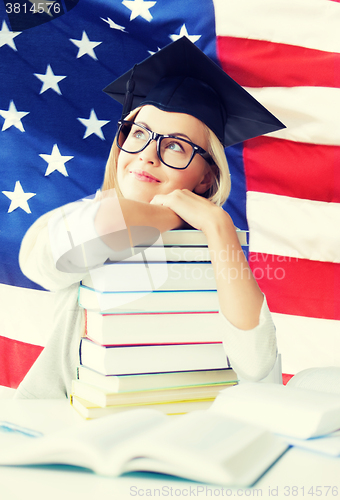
(195, 210)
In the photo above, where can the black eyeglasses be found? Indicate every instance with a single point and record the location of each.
(173, 151)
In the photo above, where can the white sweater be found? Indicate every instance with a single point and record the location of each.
(252, 353)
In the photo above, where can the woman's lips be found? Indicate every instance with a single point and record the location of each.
(143, 176)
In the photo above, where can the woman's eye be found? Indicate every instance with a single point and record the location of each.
(139, 134)
(176, 147)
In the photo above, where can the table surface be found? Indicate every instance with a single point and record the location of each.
(297, 474)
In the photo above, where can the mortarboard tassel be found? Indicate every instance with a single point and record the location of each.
(130, 87)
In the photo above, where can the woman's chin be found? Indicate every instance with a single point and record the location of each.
(138, 195)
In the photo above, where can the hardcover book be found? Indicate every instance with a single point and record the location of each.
(148, 382)
(156, 328)
(145, 301)
(114, 360)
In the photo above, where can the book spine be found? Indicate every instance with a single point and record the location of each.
(86, 322)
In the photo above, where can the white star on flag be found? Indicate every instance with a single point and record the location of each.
(93, 125)
(85, 46)
(13, 117)
(139, 8)
(152, 53)
(184, 32)
(6, 36)
(113, 25)
(18, 198)
(50, 80)
(56, 161)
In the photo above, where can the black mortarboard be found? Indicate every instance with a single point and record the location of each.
(182, 79)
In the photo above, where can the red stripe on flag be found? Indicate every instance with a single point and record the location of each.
(288, 168)
(258, 63)
(287, 376)
(16, 358)
(298, 286)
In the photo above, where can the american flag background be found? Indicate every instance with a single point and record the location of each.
(57, 127)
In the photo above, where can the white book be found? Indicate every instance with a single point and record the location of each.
(151, 302)
(137, 276)
(290, 411)
(158, 267)
(185, 245)
(200, 446)
(114, 360)
(195, 237)
(154, 253)
(147, 382)
(157, 328)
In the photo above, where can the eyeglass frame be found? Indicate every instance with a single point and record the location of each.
(153, 136)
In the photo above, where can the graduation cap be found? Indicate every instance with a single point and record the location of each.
(181, 78)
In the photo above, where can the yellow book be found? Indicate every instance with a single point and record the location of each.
(105, 398)
(90, 410)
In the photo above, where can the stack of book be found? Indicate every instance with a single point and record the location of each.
(152, 331)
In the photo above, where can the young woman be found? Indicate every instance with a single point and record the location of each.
(166, 170)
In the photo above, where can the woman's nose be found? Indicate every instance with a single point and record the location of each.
(149, 154)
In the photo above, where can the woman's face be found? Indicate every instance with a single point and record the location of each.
(142, 175)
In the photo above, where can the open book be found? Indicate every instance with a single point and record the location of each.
(290, 411)
(200, 446)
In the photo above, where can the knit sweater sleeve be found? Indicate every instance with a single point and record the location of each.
(52, 251)
(252, 353)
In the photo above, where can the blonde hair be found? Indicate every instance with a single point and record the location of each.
(220, 188)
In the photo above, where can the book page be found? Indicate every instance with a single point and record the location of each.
(280, 409)
(206, 447)
(86, 445)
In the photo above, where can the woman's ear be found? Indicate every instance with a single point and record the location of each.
(206, 181)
